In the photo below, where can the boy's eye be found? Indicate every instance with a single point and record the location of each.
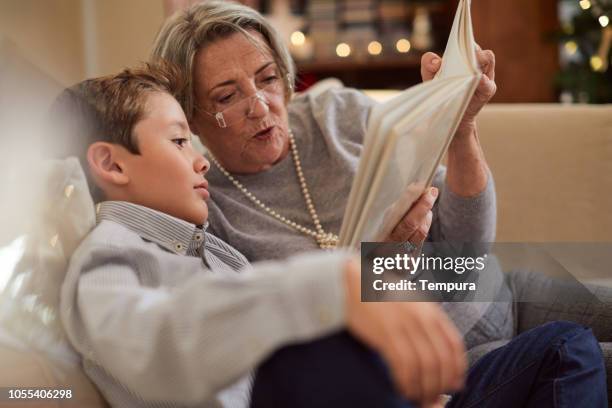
(180, 141)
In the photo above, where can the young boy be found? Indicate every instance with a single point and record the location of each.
(153, 302)
(161, 317)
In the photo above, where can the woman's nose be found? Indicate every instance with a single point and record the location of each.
(258, 106)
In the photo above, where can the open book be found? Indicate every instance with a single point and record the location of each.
(407, 137)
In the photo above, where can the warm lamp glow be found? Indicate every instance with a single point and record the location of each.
(585, 4)
(298, 38)
(604, 21)
(403, 45)
(374, 48)
(343, 50)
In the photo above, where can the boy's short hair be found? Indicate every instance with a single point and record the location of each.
(106, 109)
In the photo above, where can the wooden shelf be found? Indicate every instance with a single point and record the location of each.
(390, 70)
(341, 64)
(375, 73)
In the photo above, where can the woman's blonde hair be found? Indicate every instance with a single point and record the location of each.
(186, 32)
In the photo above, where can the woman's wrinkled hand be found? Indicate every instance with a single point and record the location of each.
(430, 65)
(415, 225)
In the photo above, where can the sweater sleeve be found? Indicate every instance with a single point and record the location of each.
(463, 219)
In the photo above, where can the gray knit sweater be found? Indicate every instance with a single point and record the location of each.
(329, 129)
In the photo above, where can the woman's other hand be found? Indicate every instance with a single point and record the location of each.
(430, 65)
(415, 225)
(421, 346)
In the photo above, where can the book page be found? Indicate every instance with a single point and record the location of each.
(382, 120)
(407, 137)
(414, 150)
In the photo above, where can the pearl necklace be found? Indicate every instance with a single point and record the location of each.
(325, 240)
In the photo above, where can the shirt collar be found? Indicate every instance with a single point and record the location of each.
(171, 233)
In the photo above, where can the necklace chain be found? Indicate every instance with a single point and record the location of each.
(325, 240)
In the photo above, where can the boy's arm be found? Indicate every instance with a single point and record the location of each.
(188, 342)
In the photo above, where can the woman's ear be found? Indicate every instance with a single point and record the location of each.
(105, 164)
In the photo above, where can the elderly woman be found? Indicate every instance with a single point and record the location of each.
(273, 154)
(283, 164)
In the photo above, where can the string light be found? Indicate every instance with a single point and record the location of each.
(374, 48)
(403, 45)
(571, 47)
(343, 50)
(596, 10)
(596, 63)
(298, 38)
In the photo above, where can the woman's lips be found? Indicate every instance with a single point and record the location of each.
(264, 134)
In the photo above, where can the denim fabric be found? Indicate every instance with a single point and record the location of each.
(554, 305)
(555, 365)
(558, 364)
(336, 371)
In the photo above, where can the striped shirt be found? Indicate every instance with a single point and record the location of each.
(167, 315)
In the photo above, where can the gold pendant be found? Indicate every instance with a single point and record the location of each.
(327, 241)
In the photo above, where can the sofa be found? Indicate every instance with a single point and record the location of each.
(553, 171)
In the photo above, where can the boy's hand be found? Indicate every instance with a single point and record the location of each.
(419, 343)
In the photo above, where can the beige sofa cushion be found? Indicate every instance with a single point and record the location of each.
(33, 349)
(553, 170)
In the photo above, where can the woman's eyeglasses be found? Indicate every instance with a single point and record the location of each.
(241, 109)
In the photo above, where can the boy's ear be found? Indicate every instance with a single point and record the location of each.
(105, 163)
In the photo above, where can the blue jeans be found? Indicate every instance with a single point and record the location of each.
(558, 364)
